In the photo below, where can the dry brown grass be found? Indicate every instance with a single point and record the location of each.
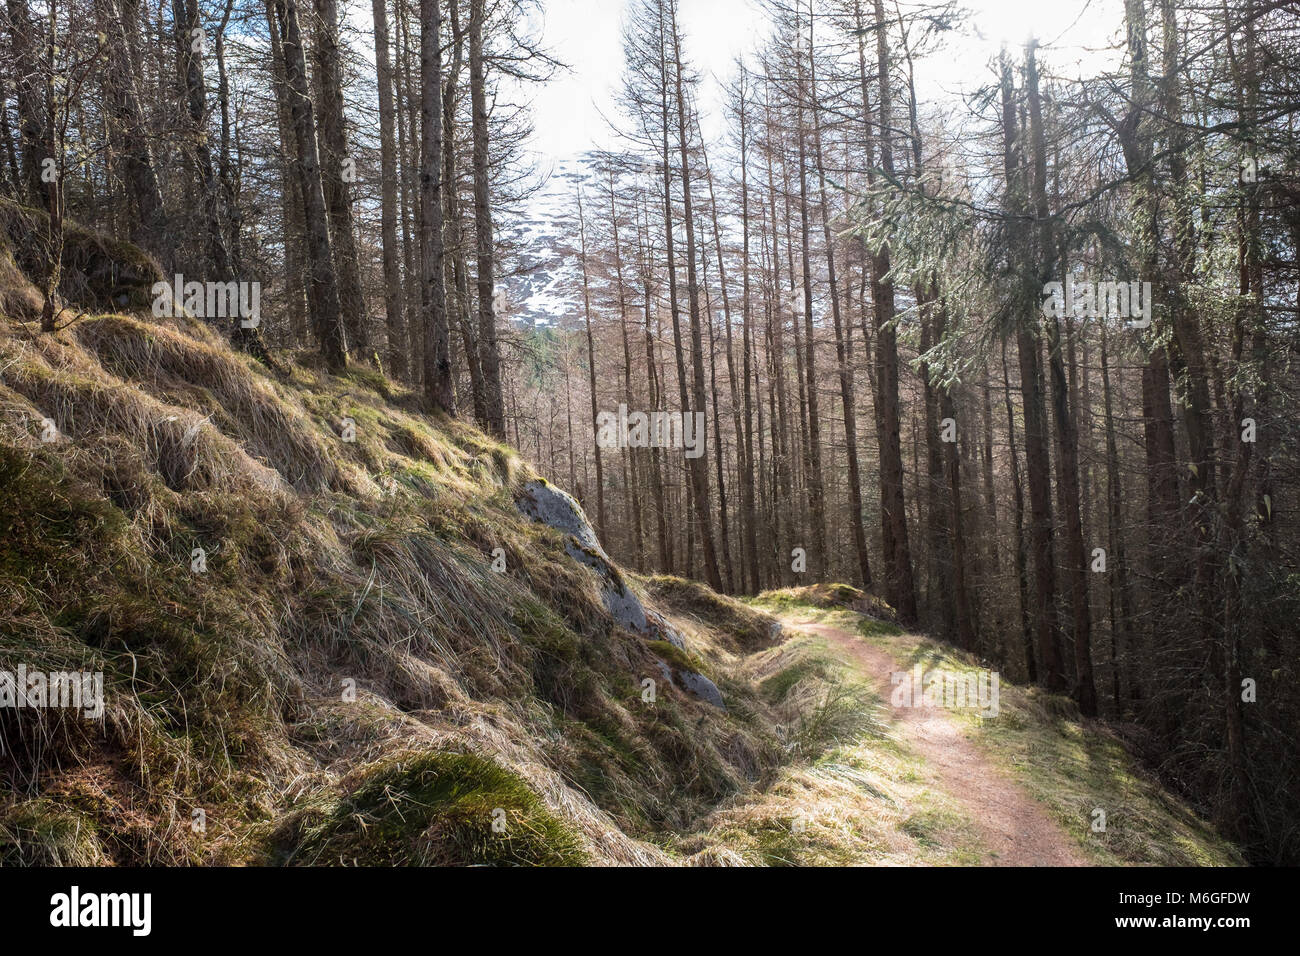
(335, 565)
(328, 561)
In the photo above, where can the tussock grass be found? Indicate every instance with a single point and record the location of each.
(346, 613)
(847, 790)
(435, 809)
(826, 596)
(41, 833)
(234, 392)
(742, 627)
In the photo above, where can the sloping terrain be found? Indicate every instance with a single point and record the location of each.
(335, 630)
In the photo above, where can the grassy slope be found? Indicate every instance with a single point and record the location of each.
(330, 564)
(496, 717)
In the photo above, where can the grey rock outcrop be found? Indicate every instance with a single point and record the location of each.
(694, 682)
(544, 503)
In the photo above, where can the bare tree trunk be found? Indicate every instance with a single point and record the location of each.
(117, 21)
(782, 484)
(813, 454)
(1121, 618)
(227, 172)
(900, 587)
(940, 605)
(189, 45)
(14, 186)
(843, 357)
(1037, 458)
(54, 188)
(35, 136)
(291, 199)
(323, 292)
(591, 372)
(337, 172)
(1018, 498)
(394, 323)
(438, 388)
(964, 607)
(698, 466)
(489, 351)
(749, 476)
(1067, 431)
(719, 455)
(458, 307)
(408, 140)
(633, 503)
(743, 466)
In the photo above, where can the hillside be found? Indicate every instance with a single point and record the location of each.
(335, 630)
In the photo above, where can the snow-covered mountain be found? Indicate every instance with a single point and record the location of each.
(543, 272)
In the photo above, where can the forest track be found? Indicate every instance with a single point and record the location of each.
(1014, 827)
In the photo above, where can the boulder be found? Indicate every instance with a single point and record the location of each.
(693, 682)
(544, 503)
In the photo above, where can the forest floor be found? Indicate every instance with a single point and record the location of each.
(1014, 828)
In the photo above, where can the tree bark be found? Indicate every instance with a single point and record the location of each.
(489, 350)
(438, 387)
(323, 292)
(393, 319)
(337, 169)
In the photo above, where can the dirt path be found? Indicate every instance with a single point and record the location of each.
(1014, 827)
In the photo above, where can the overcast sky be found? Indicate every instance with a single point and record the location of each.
(587, 35)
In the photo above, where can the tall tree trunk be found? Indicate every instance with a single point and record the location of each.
(633, 501)
(438, 388)
(813, 459)
(489, 350)
(393, 319)
(1121, 617)
(844, 363)
(35, 136)
(782, 483)
(964, 606)
(117, 21)
(900, 587)
(189, 43)
(457, 262)
(323, 292)
(591, 373)
(750, 475)
(941, 607)
(720, 448)
(1018, 499)
(291, 196)
(698, 466)
(743, 465)
(1037, 457)
(337, 172)
(1067, 432)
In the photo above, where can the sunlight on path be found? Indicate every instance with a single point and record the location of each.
(1016, 829)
